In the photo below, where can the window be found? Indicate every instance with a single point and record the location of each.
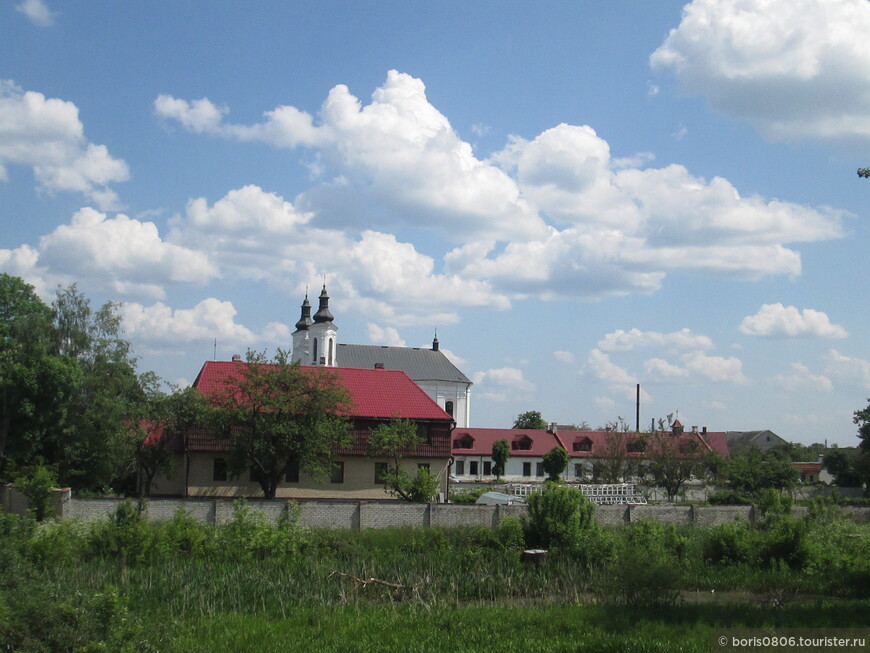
(636, 446)
(523, 444)
(583, 445)
(314, 357)
(292, 474)
(472, 467)
(380, 470)
(578, 470)
(539, 469)
(448, 408)
(337, 473)
(527, 469)
(487, 467)
(423, 434)
(220, 469)
(460, 467)
(465, 442)
(330, 350)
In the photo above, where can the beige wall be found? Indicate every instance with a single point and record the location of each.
(359, 480)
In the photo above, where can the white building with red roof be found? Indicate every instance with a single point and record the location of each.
(472, 450)
(376, 396)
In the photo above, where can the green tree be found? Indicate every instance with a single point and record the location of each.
(672, 461)
(163, 418)
(864, 172)
(395, 439)
(35, 382)
(92, 450)
(750, 472)
(501, 453)
(614, 465)
(531, 419)
(862, 419)
(276, 414)
(850, 468)
(555, 461)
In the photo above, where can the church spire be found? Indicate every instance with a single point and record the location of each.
(305, 321)
(323, 315)
(435, 343)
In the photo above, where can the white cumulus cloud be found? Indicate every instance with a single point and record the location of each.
(798, 69)
(46, 135)
(620, 340)
(37, 11)
(778, 321)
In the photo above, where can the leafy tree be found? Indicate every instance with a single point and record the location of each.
(555, 461)
(92, 449)
(842, 466)
(862, 419)
(393, 439)
(501, 453)
(672, 462)
(276, 414)
(164, 416)
(531, 419)
(34, 381)
(864, 172)
(614, 464)
(751, 471)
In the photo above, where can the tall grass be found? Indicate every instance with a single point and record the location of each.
(182, 585)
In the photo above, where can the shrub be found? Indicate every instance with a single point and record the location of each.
(467, 496)
(728, 544)
(509, 534)
(36, 485)
(728, 498)
(126, 534)
(557, 515)
(638, 574)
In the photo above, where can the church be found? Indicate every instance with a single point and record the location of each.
(315, 343)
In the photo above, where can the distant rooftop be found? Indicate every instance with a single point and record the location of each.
(418, 363)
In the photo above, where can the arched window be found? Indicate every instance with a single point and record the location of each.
(448, 407)
(331, 344)
(314, 358)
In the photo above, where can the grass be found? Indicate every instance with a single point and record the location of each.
(126, 585)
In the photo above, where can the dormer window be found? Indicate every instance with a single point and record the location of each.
(583, 444)
(465, 442)
(636, 446)
(522, 444)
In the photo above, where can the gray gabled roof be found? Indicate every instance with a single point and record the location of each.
(419, 364)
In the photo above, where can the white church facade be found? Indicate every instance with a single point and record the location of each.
(315, 343)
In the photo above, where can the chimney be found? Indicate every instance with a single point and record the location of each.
(553, 428)
(704, 430)
(694, 429)
(237, 358)
(379, 366)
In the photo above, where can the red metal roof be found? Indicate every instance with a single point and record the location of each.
(374, 393)
(709, 441)
(543, 441)
(483, 439)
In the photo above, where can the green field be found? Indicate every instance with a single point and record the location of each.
(127, 585)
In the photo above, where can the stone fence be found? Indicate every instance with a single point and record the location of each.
(351, 514)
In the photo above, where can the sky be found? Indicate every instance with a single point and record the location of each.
(578, 196)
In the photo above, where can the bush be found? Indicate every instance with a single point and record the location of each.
(36, 484)
(467, 496)
(557, 515)
(728, 544)
(509, 534)
(126, 535)
(641, 571)
(728, 498)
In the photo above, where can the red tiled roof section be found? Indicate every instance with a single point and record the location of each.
(541, 441)
(708, 442)
(374, 393)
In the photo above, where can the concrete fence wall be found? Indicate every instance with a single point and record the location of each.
(344, 514)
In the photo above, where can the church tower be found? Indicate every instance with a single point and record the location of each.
(314, 341)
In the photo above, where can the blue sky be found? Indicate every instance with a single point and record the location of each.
(579, 196)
